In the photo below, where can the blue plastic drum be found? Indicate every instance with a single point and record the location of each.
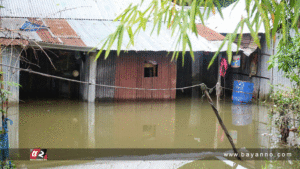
(242, 91)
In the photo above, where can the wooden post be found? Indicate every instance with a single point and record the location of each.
(204, 88)
(92, 78)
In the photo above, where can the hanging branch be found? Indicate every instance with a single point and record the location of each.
(204, 88)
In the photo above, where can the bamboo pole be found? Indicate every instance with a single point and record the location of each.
(204, 88)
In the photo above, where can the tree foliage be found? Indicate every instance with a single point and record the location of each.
(287, 59)
(271, 14)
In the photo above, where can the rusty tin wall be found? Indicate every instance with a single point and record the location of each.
(130, 73)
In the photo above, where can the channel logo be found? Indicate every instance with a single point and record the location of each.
(38, 154)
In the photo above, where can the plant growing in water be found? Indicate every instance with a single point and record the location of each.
(287, 102)
(3, 133)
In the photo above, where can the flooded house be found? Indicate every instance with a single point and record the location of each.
(61, 45)
(196, 71)
(253, 61)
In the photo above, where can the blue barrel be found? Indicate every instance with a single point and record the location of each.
(242, 91)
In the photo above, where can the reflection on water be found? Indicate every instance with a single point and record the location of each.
(184, 123)
(241, 114)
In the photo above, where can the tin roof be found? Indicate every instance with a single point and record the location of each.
(209, 34)
(232, 15)
(7, 42)
(88, 23)
(57, 31)
(93, 34)
(66, 9)
(80, 9)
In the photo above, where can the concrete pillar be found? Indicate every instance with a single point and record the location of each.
(10, 57)
(13, 129)
(84, 76)
(92, 77)
(91, 125)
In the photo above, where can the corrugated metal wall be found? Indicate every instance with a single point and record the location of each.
(276, 77)
(106, 69)
(10, 56)
(130, 73)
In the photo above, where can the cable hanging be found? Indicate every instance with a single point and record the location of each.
(102, 85)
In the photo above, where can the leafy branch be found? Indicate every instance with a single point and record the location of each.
(269, 14)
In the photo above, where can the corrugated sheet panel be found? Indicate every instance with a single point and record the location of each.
(106, 69)
(276, 77)
(130, 73)
(93, 34)
(80, 9)
(15, 24)
(10, 57)
(7, 42)
(126, 75)
(208, 33)
(231, 17)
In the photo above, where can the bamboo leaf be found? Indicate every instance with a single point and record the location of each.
(253, 10)
(283, 24)
(158, 27)
(111, 41)
(131, 36)
(266, 22)
(184, 41)
(216, 53)
(193, 14)
(101, 50)
(144, 23)
(229, 52)
(120, 39)
(191, 48)
(124, 13)
(248, 7)
(276, 18)
(240, 36)
(296, 14)
(253, 33)
(219, 8)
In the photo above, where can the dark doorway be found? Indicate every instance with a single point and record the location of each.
(64, 64)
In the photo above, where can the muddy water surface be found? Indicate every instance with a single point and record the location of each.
(184, 123)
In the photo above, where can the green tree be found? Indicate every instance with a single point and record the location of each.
(271, 14)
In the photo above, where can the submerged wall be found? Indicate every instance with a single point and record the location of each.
(129, 70)
(276, 76)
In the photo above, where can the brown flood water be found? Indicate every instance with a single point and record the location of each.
(183, 123)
